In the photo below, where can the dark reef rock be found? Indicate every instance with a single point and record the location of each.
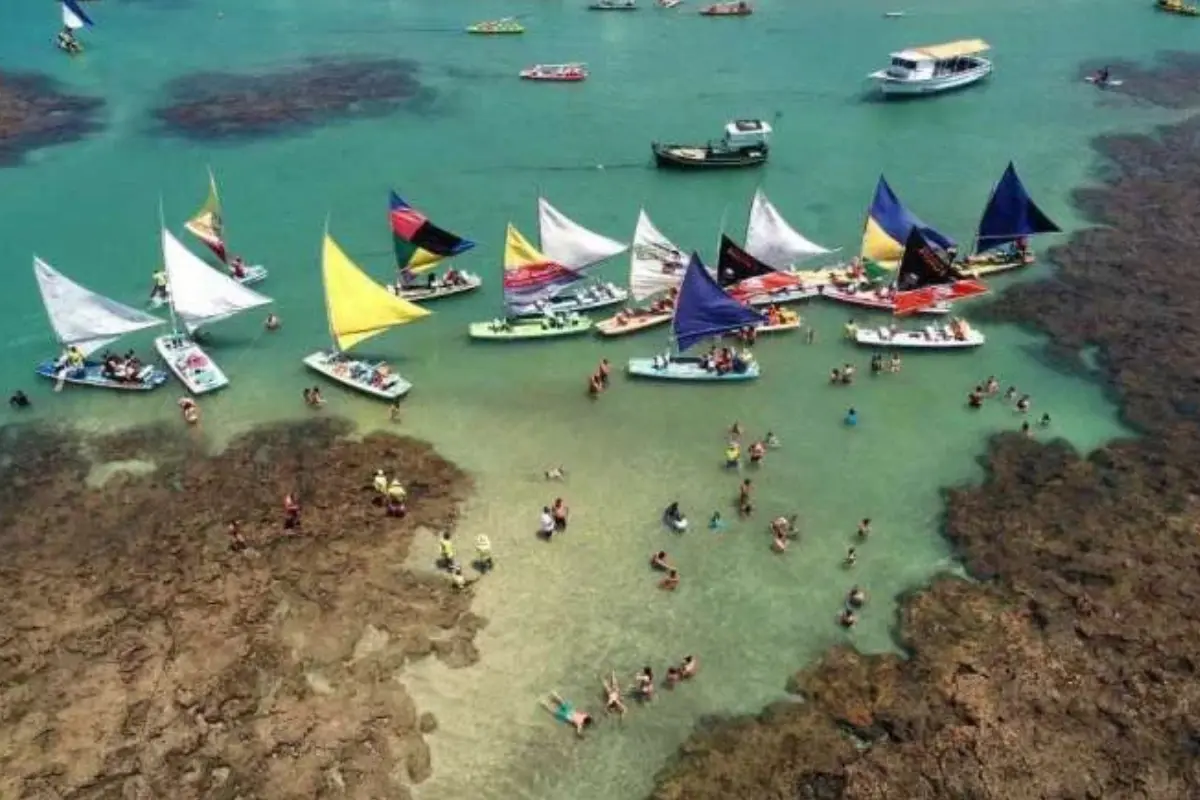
(1073, 669)
(1172, 82)
(35, 112)
(225, 105)
(141, 658)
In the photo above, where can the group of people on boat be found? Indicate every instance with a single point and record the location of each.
(721, 360)
(450, 278)
(643, 689)
(122, 369)
(67, 42)
(663, 305)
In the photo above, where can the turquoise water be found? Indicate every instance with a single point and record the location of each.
(475, 156)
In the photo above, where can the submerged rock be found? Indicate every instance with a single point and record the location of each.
(1073, 669)
(216, 105)
(36, 112)
(138, 651)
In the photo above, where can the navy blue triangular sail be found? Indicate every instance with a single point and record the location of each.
(924, 265)
(1010, 215)
(735, 265)
(703, 309)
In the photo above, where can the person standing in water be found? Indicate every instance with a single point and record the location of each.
(864, 529)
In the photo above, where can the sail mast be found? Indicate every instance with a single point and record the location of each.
(162, 224)
(325, 289)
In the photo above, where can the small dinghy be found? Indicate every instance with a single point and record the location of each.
(498, 27)
(85, 322)
(632, 320)
(656, 267)
(613, 5)
(358, 308)
(73, 19)
(551, 326)
(738, 9)
(702, 311)
(454, 282)
(208, 225)
(555, 73)
(420, 246)
(956, 335)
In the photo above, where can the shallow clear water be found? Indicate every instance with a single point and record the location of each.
(474, 157)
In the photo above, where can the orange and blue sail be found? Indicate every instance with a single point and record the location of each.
(420, 244)
(888, 226)
(529, 276)
(1010, 215)
(703, 309)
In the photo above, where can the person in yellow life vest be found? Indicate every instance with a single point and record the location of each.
(395, 499)
(159, 289)
(446, 547)
(380, 483)
(484, 560)
(733, 455)
(851, 329)
(74, 357)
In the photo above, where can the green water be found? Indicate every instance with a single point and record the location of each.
(474, 156)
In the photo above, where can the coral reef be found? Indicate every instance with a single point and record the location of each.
(225, 105)
(140, 656)
(1072, 670)
(35, 112)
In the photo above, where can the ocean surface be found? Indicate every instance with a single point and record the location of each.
(474, 154)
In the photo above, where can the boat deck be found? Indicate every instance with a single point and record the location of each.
(92, 374)
(371, 378)
(190, 364)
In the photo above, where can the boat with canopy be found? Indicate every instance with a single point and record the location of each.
(934, 68)
(199, 295)
(357, 308)
(74, 18)
(208, 225)
(887, 228)
(703, 311)
(771, 240)
(566, 242)
(1009, 219)
(420, 246)
(531, 279)
(85, 322)
(656, 268)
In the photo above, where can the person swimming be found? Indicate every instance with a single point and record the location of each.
(689, 667)
(772, 441)
(674, 518)
(672, 677)
(864, 528)
(851, 557)
(612, 694)
(19, 400)
(671, 582)
(758, 452)
(847, 619)
(643, 684)
(715, 523)
(659, 561)
(856, 598)
(780, 542)
(565, 712)
(1045, 421)
(851, 418)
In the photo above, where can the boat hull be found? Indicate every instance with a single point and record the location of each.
(92, 374)
(639, 322)
(355, 374)
(190, 364)
(683, 156)
(891, 86)
(538, 78)
(425, 295)
(984, 268)
(1181, 10)
(586, 300)
(917, 340)
(604, 7)
(687, 369)
(871, 301)
(508, 30)
(526, 330)
(783, 297)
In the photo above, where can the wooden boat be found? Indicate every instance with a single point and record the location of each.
(755, 283)
(420, 246)
(738, 9)
(555, 73)
(85, 322)
(613, 5)
(882, 299)
(1176, 7)
(631, 321)
(1009, 219)
(933, 69)
(548, 327)
(587, 298)
(74, 18)
(746, 143)
(955, 336)
(656, 268)
(702, 311)
(357, 309)
(208, 225)
(498, 27)
(198, 295)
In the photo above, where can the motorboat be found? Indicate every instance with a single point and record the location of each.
(738, 9)
(934, 69)
(957, 335)
(508, 25)
(745, 144)
(613, 5)
(555, 73)
(1176, 7)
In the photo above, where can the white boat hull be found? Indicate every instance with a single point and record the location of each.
(422, 294)
(786, 296)
(868, 299)
(589, 299)
(635, 323)
(892, 86)
(930, 338)
(687, 369)
(357, 374)
(190, 364)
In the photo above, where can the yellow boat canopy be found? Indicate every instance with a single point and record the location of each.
(358, 307)
(519, 252)
(963, 47)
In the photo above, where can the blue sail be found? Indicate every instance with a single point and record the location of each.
(703, 309)
(74, 17)
(1010, 215)
(888, 226)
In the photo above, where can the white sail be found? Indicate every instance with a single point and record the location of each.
(569, 243)
(655, 263)
(199, 294)
(82, 318)
(73, 20)
(772, 241)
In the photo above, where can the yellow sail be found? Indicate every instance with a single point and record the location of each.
(206, 223)
(519, 253)
(877, 246)
(358, 307)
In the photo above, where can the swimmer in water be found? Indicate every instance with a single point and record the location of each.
(735, 431)
(851, 558)
(659, 561)
(565, 712)
(745, 501)
(191, 411)
(780, 543)
(271, 323)
(758, 452)
(689, 667)
(671, 582)
(851, 418)
(672, 677)
(643, 684)
(715, 523)
(772, 441)
(1024, 403)
(847, 619)
(864, 529)
(612, 695)
(674, 518)
(1026, 431)
(1045, 421)
(733, 455)
(856, 598)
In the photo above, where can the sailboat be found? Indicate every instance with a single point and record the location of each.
(85, 322)
(568, 243)
(420, 246)
(358, 308)
(703, 310)
(884, 236)
(1008, 219)
(73, 19)
(771, 240)
(199, 295)
(744, 277)
(208, 225)
(656, 267)
(926, 274)
(531, 279)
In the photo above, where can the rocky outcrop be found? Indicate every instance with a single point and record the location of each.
(141, 657)
(218, 105)
(1073, 669)
(36, 112)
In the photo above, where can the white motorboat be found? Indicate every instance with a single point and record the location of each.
(956, 335)
(934, 69)
(460, 282)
